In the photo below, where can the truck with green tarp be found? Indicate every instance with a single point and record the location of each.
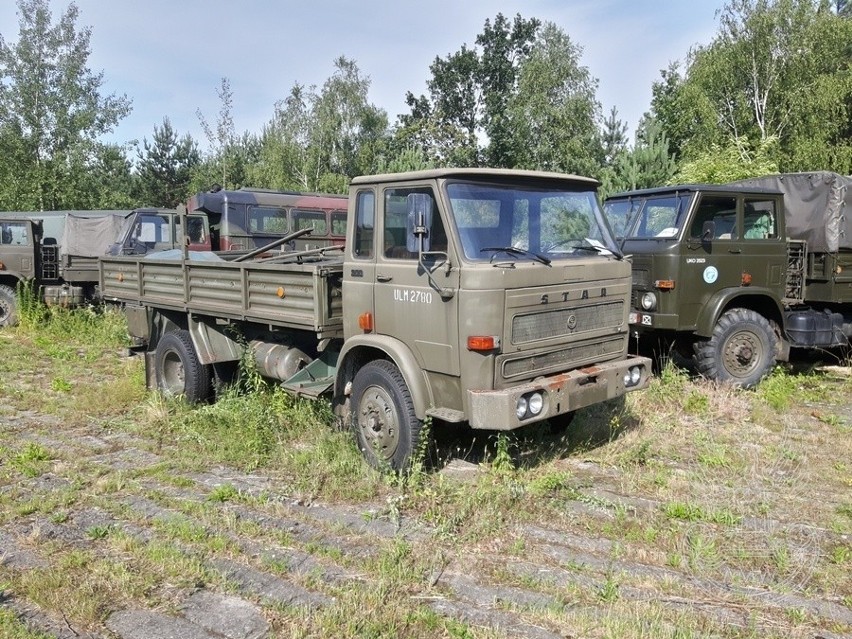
(736, 275)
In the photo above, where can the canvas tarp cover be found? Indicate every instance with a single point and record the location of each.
(89, 236)
(818, 207)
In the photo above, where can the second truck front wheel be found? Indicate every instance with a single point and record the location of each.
(8, 306)
(741, 350)
(178, 369)
(386, 427)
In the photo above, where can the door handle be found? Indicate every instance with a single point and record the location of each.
(383, 278)
(735, 250)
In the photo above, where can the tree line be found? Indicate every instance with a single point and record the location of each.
(771, 92)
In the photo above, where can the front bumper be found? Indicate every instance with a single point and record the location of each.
(563, 393)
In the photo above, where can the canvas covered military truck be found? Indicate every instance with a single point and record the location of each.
(492, 297)
(57, 251)
(736, 275)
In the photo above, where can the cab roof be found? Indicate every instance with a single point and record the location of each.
(489, 175)
(693, 188)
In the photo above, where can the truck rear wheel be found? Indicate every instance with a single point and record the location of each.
(8, 306)
(386, 427)
(178, 369)
(740, 352)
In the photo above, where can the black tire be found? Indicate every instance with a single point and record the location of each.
(741, 351)
(179, 371)
(386, 427)
(8, 306)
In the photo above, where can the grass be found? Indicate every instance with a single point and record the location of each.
(704, 484)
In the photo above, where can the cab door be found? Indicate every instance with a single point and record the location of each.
(408, 305)
(359, 267)
(17, 248)
(711, 257)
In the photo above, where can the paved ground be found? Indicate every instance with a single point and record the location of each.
(527, 593)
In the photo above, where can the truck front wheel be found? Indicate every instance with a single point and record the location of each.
(178, 369)
(741, 350)
(8, 306)
(386, 427)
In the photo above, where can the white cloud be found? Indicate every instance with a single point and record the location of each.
(169, 57)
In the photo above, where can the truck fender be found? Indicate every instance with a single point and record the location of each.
(361, 349)
(761, 300)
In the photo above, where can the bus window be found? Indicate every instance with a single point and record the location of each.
(338, 223)
(265, 219)
(315, 220)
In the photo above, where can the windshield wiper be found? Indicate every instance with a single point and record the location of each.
(511, 250)
(592, 247)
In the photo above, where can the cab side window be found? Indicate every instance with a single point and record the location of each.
(365, 217)
(759, 219)
(14, 233)
(395, 224)
(722, 211)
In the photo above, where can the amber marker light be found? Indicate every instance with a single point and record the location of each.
(365, 322)
(280, 291)
(482, 343)
(664, 285)
(2, 266)
(746, 279)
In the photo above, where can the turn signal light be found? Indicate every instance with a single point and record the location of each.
(2, 266)
(482, 342)
(746, 279)
(365, 322)
(664, 285)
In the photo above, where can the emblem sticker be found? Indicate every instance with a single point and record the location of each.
(711, 274)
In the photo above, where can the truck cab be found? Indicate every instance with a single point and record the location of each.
(499, 295)
(717, 277)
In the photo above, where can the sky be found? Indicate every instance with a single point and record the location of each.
(169, 56)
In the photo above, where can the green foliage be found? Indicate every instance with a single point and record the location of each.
(686, 511)
(735, 160)
(520, 98)
(31, 310)
(776, 70)
(647, 164)
(319, 140)
(551, 119)
(165, 167)
(51, 111)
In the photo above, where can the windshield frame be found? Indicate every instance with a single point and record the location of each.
(481, 249)
(684, 203)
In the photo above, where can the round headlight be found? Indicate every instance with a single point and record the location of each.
(635, 375)
(521, 408)
(648, 301)
(535, 403)
(626, 378)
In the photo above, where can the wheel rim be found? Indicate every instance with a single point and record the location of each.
(378, 422)
(743, 353)
(5, 311)
(174, 375)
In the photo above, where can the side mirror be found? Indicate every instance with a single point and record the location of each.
(419, 222)
(708, 231)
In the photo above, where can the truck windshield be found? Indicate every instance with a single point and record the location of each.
(659, 216)
(499, 222)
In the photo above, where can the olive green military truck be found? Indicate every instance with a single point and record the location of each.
(58, 251)
(492, 297)
(736, 275)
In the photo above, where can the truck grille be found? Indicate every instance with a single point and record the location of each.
(641, 277)
(566, 321)
(556, 360)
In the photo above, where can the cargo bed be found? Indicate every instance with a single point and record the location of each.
(305, 296)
